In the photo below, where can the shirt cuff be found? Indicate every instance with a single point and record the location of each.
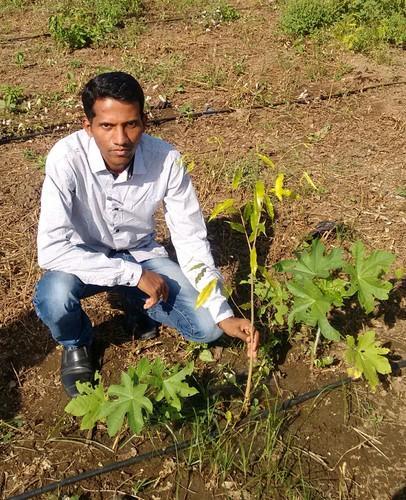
(131, 273)
(219, 309)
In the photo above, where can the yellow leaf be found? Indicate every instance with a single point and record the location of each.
(259, 194)
(190, 166)
(226, 206)
(266, 160)
(237, 178)
(309, 181)
(279, 190)
(354, 373)
(205, 293)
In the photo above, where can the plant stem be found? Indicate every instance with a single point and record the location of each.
(314, 351)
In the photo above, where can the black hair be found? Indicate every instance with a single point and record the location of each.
(117, 85)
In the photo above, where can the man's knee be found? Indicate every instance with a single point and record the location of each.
(56, 295)
(202, 328)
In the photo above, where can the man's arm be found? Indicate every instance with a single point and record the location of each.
(189, 237)
(56, 252)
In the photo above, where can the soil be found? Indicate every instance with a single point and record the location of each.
(354, 149)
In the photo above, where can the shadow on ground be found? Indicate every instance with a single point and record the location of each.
(24, 343)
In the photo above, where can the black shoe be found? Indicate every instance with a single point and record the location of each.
(141, 327)
(76, 366)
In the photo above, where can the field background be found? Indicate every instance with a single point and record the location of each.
(340, 116)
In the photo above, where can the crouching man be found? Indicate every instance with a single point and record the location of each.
(96, 232)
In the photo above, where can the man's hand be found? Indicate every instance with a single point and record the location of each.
(154, 286)
(241, 328)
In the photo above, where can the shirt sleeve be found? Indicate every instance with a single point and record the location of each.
(56, 252)
(189, 237)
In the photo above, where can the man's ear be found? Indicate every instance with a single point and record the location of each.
(87, 125)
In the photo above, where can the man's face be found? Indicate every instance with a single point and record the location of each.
(117, 128)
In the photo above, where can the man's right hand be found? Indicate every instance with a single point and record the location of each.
(154, 286)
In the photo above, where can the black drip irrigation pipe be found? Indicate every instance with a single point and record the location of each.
(175, 448)
(198, 114)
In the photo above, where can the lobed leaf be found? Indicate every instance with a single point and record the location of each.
(174, 387)
(367, 357)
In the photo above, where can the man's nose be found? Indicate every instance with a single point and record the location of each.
(120, 136)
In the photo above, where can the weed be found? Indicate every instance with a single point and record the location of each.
(12, 96)
(303, 17)
(186, 111)
(19, 59)
(361, 25)
(221, 13)
(82, 24)
(38, 159)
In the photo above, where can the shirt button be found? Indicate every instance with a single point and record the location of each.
(128, 283)
(117, 231)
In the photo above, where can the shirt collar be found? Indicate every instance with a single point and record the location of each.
(97, 164)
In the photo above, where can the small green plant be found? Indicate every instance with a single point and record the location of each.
(252, 217)
(221, 13)
(12, 96)
(186, 111)
(146, 390)
(38, 159)
(19, 59)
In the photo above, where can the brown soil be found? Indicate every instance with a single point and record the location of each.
(353, 147)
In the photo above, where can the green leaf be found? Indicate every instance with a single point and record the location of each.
(311, 306)
(206, 356)
(205, 293)
(266, 160)
(89, 403)
(174, 387)
(235, 226)
(269, 207)
(367, 357)
(336, 290)
(253, 261)
(366, 275)
(225, 207)
(129, 400)
(313, 262)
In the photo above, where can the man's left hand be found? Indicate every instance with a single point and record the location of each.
(241, 329)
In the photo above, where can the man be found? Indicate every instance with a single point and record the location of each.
(96, 231)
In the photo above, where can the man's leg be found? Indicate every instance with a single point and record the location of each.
(57, 303)
(179, 310)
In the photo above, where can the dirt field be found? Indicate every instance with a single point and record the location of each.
(347, 131)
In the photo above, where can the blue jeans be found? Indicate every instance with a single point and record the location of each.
(58, 295)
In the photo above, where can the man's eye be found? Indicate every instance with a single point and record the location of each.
(106, 126)
(132, 124)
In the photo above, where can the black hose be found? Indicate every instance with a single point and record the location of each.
(7, 139)
(284, 406)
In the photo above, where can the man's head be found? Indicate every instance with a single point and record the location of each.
(114, 109)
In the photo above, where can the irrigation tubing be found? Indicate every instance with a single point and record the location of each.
(175, 448)
(210, 112)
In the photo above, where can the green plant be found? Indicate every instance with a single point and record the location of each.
(220, 13)
(12, 96)
(303, 17)
(81, 24)
(252, 216)
(37, 158)
(322, 280)
(19, 59)
(146, 390)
